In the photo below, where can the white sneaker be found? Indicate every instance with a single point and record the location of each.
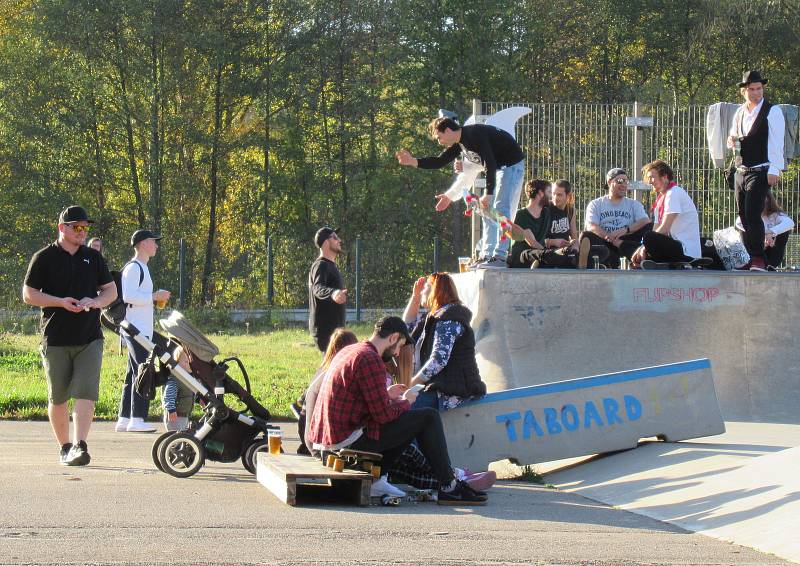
(122, 424)
(138, 425)
(383, 487)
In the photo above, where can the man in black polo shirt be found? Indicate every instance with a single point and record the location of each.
(757, 136)
(71, 283)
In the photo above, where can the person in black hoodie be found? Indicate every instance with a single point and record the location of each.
(327, 296)
(444, 344)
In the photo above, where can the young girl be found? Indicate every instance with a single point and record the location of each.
(176, 400)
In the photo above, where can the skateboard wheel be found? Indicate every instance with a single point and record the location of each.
(338, 464)
(390, 500)
(376, 471)
(330, 461)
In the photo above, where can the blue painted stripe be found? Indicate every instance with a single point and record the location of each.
(594, 381)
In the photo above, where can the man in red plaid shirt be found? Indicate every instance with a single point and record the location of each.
(356, 410)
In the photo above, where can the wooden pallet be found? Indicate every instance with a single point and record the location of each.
(290, 475)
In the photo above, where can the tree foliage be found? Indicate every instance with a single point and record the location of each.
(228, 122)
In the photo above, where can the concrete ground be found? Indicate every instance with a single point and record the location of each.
(741, 486)
(121, 510)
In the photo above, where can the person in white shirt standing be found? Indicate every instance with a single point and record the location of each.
(757, 138)
(137, 292)
(676, 235)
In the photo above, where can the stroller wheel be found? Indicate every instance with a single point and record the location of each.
(157, 445)
(249, 455)
(181, 455)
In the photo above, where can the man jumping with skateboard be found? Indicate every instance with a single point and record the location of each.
(355, 409)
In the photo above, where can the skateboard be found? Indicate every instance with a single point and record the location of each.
(412, 495)
(698, 263)
(354, 460)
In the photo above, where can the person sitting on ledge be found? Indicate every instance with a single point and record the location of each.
(616, 221)
(676, 236)
(354, 409)
(444, 344)
(777, 227)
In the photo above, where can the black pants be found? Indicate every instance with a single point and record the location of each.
(630, 243)
(751, 190)
(774, 254)
(549, 257)
(423, 424)
(663, 249)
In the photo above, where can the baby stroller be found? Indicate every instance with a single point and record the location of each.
(223, 434)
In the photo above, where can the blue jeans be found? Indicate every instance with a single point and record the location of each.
(426, 399)
(507, 190)
(132, 404)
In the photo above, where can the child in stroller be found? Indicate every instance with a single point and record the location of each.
(223, 434)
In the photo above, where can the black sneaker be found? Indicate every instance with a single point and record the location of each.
(461, 494)
(78, 455)
(64, 453)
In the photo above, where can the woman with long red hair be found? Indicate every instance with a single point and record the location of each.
(444, 344)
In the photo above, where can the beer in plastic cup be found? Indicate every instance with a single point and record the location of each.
(275, 441)
(463, 264)
(161, 304)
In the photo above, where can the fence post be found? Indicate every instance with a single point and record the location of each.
(436, 245)
(475, 222)
(182, 273)
(358, 279)
(270, 272)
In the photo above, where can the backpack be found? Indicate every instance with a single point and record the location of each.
(150, 376)
(112, 315)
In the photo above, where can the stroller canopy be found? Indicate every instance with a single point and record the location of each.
(180, 328)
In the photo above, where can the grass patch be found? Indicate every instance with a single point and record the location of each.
(279, 362)
(530, 475)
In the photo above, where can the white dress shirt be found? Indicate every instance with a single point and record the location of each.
(777, 131)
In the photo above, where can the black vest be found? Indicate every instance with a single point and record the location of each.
(754, 144)
(460, 376)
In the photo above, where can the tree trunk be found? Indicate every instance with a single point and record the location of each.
(131, 147)
(155, 189)
(212, 216)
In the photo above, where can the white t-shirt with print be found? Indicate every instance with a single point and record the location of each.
(610, 216)
(686, 227)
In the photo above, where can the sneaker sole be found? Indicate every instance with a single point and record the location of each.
(82, 460)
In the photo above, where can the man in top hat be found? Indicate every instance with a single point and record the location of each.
(71, 283)
(757, 139)
(327, 295)
(137, 292)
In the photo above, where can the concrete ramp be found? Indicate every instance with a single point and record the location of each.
(545, 325)
(589, 415)
(741, 487)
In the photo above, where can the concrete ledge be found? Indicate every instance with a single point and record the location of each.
(591, 415)
(539, 326)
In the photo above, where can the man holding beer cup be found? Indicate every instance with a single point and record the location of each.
(137, 292)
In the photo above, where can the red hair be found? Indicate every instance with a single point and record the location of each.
(443, 291)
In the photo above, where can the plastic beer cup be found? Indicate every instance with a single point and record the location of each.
(275, 441)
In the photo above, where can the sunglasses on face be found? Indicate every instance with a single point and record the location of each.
(79, 229)
(621, 181)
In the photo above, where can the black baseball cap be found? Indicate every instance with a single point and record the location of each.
(391, 324)
(74, 213)
(141, 235)
(323, 234)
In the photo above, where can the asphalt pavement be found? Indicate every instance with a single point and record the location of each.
(121, 510)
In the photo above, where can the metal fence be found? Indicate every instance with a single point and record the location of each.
(580, 142)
